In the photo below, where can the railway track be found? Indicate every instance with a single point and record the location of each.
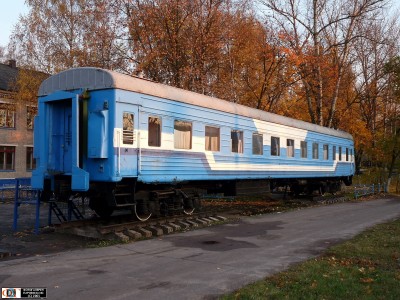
(123, 230)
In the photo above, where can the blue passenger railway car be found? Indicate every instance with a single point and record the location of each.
(127, 142)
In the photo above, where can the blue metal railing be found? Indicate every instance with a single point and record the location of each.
(7, 187)
(361, 190)
(21, 191)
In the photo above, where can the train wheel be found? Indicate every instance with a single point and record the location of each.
(188, 207)
(101, 208)
(104, 212)
(141, 211)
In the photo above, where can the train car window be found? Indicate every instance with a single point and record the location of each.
(237, 141)
(351, 155)
(128, 128)
(347, 154)
(334, 152)
(303, 149)
(315, 153)
(275, 146)
(326, 152)
(340, 153)
(182, 135)
(212, 138)
(290, 147)
(257, 144)
(154, 139)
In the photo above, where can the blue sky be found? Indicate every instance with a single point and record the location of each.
(9, 15)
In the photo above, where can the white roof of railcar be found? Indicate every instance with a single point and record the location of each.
(98, 79)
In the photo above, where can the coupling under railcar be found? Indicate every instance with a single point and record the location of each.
(127, 142)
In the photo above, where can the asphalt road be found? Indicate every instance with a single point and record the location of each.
(200, 264)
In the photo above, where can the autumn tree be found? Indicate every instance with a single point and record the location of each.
(217, 48)
(375, 100)
(255, 72)
(178, 42)
(27, 85)
(320, 37)
(387, 139)
(61, 34)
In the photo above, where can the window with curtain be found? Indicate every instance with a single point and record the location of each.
(182, 135)
(212, 137)
(258, 144)
(7, 157)
(237, 141)
(315, 153)
(290, 147)
(275, 146)
(154, 138)
(303, 149)
(128, 128)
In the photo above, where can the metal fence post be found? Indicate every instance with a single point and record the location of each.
(50, 213)
(37, 221)
(16, 204)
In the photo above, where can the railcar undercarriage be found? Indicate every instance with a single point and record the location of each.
(147, 200)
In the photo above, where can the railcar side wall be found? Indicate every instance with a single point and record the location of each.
(165, 163)
(157, 140)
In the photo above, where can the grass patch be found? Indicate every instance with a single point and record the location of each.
(366, 267)
(103, 243)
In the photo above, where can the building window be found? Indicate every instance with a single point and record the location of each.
(7, 157)
(154, 139)
(30, 161)
(182, 135)
(128, 127)
(290, 148)
(340, 153)
(212, 138)
(237, 141)
(257, 144)
(7, 115)
(334, 153)
(315, 153)
(31, 112)
(326, 152)
(303, 149)
(275, 146)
